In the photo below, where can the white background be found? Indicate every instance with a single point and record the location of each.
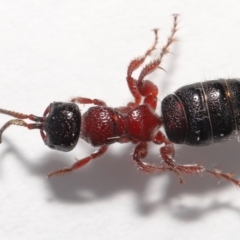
(54, 50)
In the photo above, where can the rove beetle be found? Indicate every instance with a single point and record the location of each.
(197, 114)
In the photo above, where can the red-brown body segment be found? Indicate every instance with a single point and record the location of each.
(105, 125)
(100, 126)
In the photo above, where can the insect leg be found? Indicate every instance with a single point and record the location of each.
(145, 87)
(82, 100)
(134, 65)
(80, 163)
(167, 153)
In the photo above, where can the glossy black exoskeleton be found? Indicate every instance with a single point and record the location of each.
(203, 113)
(62, 126)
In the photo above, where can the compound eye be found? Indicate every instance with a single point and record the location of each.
(62, 126)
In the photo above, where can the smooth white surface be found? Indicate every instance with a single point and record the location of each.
(54, 50)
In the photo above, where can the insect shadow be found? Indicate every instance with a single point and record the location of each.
(116, 172)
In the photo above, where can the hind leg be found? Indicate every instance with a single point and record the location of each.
(146, 88)
(167, 153)
(143, 87)
(133, 66)
(140, 152)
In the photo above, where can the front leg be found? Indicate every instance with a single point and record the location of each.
(83, 100)
(80, 163)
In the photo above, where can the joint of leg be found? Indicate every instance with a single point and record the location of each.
(151, 102)
(148, 88)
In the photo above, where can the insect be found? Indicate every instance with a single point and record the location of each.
(198, 114)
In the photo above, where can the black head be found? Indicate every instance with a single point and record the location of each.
(62, 125)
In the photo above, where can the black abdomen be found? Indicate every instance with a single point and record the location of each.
(203, 113)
